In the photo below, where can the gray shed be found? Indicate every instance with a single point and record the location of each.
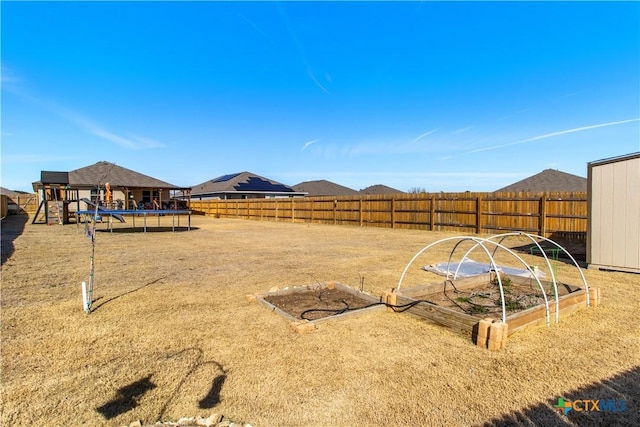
(613, 230)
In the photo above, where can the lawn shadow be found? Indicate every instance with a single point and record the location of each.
(150, 229)
(212, 398)
(578, 250)
(12, 226)
(127, 293)
(126, 398)
(619, 405)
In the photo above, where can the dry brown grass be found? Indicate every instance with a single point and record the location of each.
(171, 321)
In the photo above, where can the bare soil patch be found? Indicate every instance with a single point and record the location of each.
(314, 303)
(485, 300)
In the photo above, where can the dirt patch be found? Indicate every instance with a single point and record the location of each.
(485, 299)
(312, 304)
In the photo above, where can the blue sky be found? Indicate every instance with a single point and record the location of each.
(440, 96)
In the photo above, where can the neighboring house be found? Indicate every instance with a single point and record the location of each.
(323, 187)
(548, 180)
(242, 185)
(379, 189)
(105, 182)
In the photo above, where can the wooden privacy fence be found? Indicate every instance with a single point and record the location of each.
(24, 203)
(560, 216)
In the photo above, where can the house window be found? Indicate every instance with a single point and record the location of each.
(95, 195)
(146, 196)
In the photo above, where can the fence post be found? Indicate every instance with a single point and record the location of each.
(543, 215)
(393, 212)
(478, 215)
(360, 211)
(432, 211)
(311, 214)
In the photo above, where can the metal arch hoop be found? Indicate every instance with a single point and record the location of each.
(490, 240)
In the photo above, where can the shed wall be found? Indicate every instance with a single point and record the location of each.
(614, 214)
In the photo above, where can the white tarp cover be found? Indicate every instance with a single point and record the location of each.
(469, 267)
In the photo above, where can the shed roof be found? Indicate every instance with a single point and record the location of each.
(50, 177)
(548, 180)
(616, 159)
(323, 187)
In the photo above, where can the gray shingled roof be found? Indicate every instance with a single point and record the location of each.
(242, 182)
(549, 180)
(379, 189)
(12, 193)
(116, 176)
(323, 187)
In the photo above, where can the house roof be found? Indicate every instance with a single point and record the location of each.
(323, 187)
(115, 175)
(102, 172)
(241, 182)
(12, 193)
(549, 180)
(379, 189)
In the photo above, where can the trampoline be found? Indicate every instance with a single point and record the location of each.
(120, 214)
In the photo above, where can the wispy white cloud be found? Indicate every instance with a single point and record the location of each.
(300, 49)
(552, 134)
(515, 113)
(369, 148)
(461, 130)
(129, 141)
(7, 75)
(145, 142)
(425, 134)
(308, 143)
(315, 80)
(254, 26)
(384, 147)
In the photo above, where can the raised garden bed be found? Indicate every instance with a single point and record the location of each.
(473, 306)
(490, 306)
(305, 306)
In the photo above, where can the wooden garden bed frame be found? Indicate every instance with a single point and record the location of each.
(304, 326)
(485, 331)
